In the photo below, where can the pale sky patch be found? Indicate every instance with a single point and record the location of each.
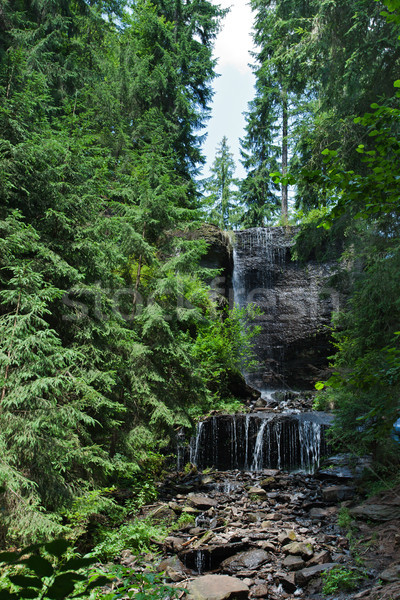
(235, 87)
(234, 41)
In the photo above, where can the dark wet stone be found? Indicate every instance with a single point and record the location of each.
(337, 493)
(391, 574)
(376, 512)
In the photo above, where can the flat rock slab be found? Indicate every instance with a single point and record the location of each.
(376, 512)
(246, 560)
(293, 563)
(217, 587)
(337, 493)
(202, 501)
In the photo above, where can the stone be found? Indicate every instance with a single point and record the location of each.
(268, 482)
(316, 514)
(267, 524)
(303, 577)
(256, 491)
(177, 508)
(207, 479)
(162, 513)
(217, 587)
(287, 537)
(202, 502)
(271, 472)
(320, 559)
(174, 569)
(128, 559)
(391, 574)
(288, 582)
(376, 512)
(265, 545)
(260, 591)
(191, 510)
(299, 548)
(337, 493)
(251, 559)
(174, 542)
(293, 563)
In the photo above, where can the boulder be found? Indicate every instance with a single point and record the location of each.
(251, 559)
(376, 512)
(337, 493)
(257, 491)
(391, 574)
(174, 569)
(293, 563)
(299, 549)
(303, 577)
(217, 587)
(202, 502)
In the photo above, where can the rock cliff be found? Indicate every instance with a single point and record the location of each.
(296, 303)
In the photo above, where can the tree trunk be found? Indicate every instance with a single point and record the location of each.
(285, 119)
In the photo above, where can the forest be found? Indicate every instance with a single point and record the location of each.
(110, 339)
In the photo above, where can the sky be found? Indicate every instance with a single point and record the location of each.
(235, 86)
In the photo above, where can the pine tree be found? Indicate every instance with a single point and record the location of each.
(221, 198)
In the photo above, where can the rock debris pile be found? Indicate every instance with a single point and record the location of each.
(253, 535)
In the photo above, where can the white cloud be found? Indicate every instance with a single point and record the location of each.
(234, 42)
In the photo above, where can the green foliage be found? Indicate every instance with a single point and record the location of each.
(185, 519)
(91, 503)
(345, 520)
(142, 586)
(224, 347)
(101, 108)
(340, 579)
(314, 242)
(221, 201)
(136, 535)
(46, 572)
(229, 405)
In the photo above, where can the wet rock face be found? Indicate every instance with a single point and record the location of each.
(296, 304)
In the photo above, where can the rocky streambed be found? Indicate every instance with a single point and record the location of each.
(268, 535)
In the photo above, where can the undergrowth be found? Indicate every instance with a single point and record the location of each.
(340, 579)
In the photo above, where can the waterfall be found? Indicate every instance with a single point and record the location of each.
(292, 338)
(257, 441)
(258, 449)
(295, 314)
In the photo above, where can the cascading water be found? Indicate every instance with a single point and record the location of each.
(289, 348)
(260, 441)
